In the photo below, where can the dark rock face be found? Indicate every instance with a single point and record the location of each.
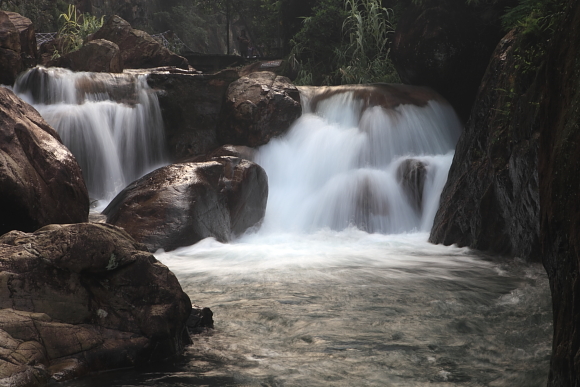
(191, 106)
(258, 107)
(411, 175)
(491, 201)
(40, 180)
(83, 298)
(559, 159)
(446, 45)
(181, 204)
(17, 46)
(138, 48)
(97, 56)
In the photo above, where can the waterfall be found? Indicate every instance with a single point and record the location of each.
(371, 157)
(111, 122)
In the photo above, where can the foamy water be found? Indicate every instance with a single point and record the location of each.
(110, 122)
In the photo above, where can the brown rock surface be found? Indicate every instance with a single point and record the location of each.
(40, 180)
(28, 48)
(191, 107)
(83, 298)
(258, 107)
(97, 56)
(180, 204)
(138, 48)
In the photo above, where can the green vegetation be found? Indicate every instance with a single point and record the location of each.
(345, 41)
(331, 41)
(76, 28)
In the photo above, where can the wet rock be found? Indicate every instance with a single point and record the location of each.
(411, 175)
(180, 204)
(191, 106)
(491, 201)
(17, 46)
(200, 319)
(559, 178)
(446, 45)
(258, 107)
(98, 55)
(83, 298)
(388, 96)
(138, 48)
(40, 181)
(240, 151)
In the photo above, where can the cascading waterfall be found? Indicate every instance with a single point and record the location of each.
(339, 286)
(346, 163)
(111, 122)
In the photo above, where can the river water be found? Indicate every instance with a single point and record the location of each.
(338, 286)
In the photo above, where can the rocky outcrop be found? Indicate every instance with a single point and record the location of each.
(96, 56)
(138, 48)
(40, 180)
(191, 106)
(258, 107)
(559, 160)
(180, 204)
(411, 175)
(83, 298)
(446, 45)
(491, 201)
(17, 46)
(388, 96)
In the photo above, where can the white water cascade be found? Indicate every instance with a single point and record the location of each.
(111, 122)
(348, 164)
(339, 286)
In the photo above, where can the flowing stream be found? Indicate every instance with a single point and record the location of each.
(110, 122)
(339, 286)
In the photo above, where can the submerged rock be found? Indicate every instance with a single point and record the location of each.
(258, 107)
(411, 174)
(40, 180)
(83, 298)
(180, 204)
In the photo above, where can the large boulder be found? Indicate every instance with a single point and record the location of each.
(28, 47)
(258, 107)
(96, 56)
(83, 298)
(17, 46)
(191, 106)
(180, 204)
(446, 45)
(40, 180)
(559, 162)
(491, 201)
(138, 48)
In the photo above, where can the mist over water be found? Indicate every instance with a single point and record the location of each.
(110, 122)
